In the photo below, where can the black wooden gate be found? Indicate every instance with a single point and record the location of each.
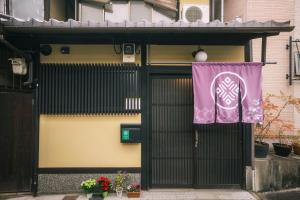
(184, 155)
(16, 142)
(218, 157)
(172, 132)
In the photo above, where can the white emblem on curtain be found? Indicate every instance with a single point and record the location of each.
(227, 90)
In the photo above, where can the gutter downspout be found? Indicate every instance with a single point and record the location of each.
(19, 52)
(4, 16)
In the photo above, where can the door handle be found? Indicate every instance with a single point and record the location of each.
(196, 139)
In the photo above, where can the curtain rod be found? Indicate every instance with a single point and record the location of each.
(189, 63)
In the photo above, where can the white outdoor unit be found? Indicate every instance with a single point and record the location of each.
(194, 12)
(90, 12)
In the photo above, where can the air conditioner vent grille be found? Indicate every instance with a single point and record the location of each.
(193, 14)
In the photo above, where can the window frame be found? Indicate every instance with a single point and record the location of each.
(297, 63)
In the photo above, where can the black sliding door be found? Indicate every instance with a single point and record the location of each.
(184, 155)
(172, 132)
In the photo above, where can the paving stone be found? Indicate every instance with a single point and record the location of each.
(166, 194)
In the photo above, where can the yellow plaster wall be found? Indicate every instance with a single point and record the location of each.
(85, 54)
(183, 53)
(86, 141)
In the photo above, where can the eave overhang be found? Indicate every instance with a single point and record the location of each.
(180, 32)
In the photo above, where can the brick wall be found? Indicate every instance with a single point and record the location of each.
(274, 75)
(233, 8)
(296, 35)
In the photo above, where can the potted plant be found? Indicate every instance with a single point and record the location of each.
(133, 190)
(282, 148)
(120, 182)
(262, 130)
(88, 186)
(103, 185)
(274, 124)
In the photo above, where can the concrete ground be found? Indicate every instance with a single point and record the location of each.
(292, 194)
(162, 194)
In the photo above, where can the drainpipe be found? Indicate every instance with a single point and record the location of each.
(19, 52)
(4, 16)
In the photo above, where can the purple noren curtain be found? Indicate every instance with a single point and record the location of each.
(219, 87)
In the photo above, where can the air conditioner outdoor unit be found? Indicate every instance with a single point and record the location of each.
(194, 12)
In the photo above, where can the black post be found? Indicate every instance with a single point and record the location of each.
(144, 120)
(290, 59)
(264, 50)
(35, 123)
(212, 10)
(76, 10)
(7, 11)
(46, 10)
(248, 52)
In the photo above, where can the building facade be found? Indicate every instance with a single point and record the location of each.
(85, 96)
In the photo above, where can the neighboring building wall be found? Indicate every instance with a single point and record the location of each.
(2, 6)
(234, 8)
(296, 35)
(274, 79)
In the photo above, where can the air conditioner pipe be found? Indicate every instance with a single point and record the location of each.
(15, 49)
(19, 52)
(4, 16)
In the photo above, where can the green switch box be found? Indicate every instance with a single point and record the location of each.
(130, 133)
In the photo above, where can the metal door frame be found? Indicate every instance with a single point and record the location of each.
(147, 71)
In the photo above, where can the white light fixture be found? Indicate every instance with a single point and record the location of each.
(19, 66)
(200, 55)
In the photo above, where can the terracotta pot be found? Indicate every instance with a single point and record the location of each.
(283, 150)
(261, 149)
(133, 194)
(296, 147)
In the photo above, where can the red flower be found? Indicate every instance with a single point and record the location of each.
(104, 183)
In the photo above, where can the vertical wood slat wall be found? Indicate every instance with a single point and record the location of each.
(89, 89)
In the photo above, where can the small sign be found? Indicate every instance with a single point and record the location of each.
(125, 135)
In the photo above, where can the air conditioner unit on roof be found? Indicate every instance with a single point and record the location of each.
(194, 12)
